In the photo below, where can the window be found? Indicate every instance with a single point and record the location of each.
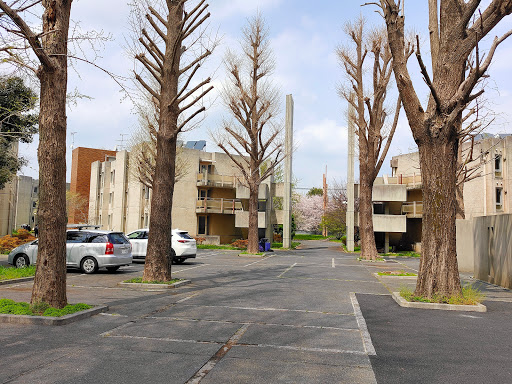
(34, 204)
(111, 198)
(206, 168)
(109, 220)
(112, 177)
(98, 238)
(262, 206)
(499, 199)
(497, 165)
(202, 227)
(146, 220)
(77, 237)
(147, 194)
(203, 194)
(35, 189)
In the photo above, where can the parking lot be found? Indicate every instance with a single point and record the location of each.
(291, 317)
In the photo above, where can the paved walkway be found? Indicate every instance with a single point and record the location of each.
(289, 318)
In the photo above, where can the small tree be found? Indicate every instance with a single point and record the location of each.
(79, 205)
(172, 49)
(315, 192)
(16, 124)
(455, 34)
(370, 115)
(254, 103)
(308, 213)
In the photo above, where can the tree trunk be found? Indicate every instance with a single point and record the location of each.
(368, 247)
(253, 244)
(50, 278)
(438, 273)
(158, 263)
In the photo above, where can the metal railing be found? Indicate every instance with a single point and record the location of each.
(225, 206)
(223, 181)
(412, 209)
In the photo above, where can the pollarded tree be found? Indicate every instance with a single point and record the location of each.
(253, 101)
(367, 95)
(49, 46)
(455, 34)
(171, 52)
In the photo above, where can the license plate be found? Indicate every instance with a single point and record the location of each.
(124, 251)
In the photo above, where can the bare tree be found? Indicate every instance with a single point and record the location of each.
(50, 48)
(171, 52)
(253, 101)
(143, 148)
(370, 115)
(455, 34)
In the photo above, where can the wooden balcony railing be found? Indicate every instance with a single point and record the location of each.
(412, 181)
(223, 181)
(224, 206)
(412, 209)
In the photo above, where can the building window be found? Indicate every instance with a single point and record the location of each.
(202, 225)
(112, 177)
(109, 220)
(111, 198)
(146, 196)
(146, 220)
(206, 168)
(499, 199)
(34, 204)
(35, 189)
(498, 160)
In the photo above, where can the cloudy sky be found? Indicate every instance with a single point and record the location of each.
(304, 35)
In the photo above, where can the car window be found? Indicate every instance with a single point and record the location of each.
(118, 238)
(135, 235)
(145, 235)
(77, 237)
(184, 235)
(98, 238)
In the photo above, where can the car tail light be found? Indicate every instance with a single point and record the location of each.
(182, 241)
(109, 250)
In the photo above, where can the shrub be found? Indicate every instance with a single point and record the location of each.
(8, 242)
(240, 244)
(278, 238)
(344, 240)
(199, 240)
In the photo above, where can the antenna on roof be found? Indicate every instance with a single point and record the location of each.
(122, 146)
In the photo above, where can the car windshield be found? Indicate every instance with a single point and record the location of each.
(118, 238)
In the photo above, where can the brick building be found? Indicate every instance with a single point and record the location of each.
(82, 158)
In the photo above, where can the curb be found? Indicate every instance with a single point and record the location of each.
(445, 307)
(395, 277)
(47, 320)
(252, 256)
(14, 281)
(154, 286)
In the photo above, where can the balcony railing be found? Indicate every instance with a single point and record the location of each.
(223, 181)
(224, 206)
(412, 181)
(413, 209)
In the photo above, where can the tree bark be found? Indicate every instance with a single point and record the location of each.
(253, 244)
(50, 278)
(368, 246)
(438, 273)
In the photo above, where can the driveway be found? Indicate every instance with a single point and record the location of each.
(286, 318)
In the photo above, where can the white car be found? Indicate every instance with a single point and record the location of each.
(183, 245)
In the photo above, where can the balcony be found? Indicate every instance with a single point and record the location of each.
(220, 181)
(413, 209)
(389, 223)
(411, 182)
(223, 206)
(242, 192)
(242, 219)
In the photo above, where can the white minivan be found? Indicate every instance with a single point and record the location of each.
(183, 245)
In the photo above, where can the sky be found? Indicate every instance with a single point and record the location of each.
(304, 36)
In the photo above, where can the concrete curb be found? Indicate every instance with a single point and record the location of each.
(250, 256)
(154, 286)
(395, 277)
(47, 320)
(14, 281)
(445, 307)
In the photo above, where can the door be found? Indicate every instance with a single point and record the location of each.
(75, 247)
(139, 240)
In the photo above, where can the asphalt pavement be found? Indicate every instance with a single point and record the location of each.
(291, 317)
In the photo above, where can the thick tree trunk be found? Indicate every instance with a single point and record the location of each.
(50, 278)
(158, 256)
(368, 246)
(253, 246)
(438, 273)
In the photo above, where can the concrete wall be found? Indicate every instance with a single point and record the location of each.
(389, 223)
(489, 239)
(389, 193)
(28, 193)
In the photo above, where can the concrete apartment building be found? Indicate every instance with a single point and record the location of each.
(398, 201)
(208, 201)
(18, 204)
(82, 158)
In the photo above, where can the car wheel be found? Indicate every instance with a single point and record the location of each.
(112, 269)
(21, 261)
(179, 260)
(89, 265)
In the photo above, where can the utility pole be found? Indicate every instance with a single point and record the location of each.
(350, 180)
(324, 229)
(287, 200)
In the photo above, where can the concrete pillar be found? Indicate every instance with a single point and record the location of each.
(386, 235)
(350, 181)
(287, 199)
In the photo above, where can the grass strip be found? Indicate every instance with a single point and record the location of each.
(403, 254)
(139, 280)
(12, 307)
(396, 273)
(294, 245)
(9, 273)
(469, 296)
(309, 237)
(212, 246)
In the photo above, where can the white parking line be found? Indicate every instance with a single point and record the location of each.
(333, 263)
(270, 309)
(187, 269)
(259, 261)
(367, 340)
(305, 349)
(287, 269)
(187, 298)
